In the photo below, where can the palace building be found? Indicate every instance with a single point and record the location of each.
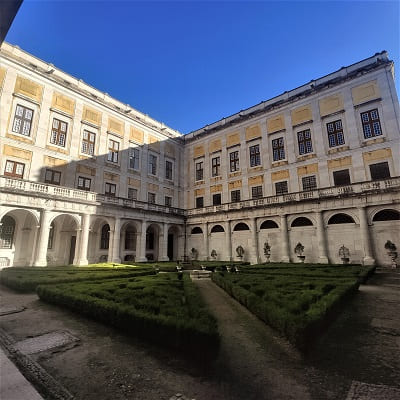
(85, 178)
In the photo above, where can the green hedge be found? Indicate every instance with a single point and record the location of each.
(161, 309)
(26, 279)
(298, 307)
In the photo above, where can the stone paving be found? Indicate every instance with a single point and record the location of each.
(365, 391)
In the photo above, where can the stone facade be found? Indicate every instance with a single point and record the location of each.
(86, 178)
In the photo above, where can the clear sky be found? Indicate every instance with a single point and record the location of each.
(189, 64)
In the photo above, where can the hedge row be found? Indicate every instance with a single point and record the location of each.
(26, 279)
(161, 309)
(297, 308)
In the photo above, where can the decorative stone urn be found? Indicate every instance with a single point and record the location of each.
(267, 252)
(344, 254)
(299, 250)
(392, 253)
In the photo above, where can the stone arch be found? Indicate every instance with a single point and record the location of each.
(340, 218)
(173, 242)
(21, 250)
(95, 253)
(129, 240)
(65, 240)
(152, 241)
(301, 221)
(269, 224)
(387, 214)
(217, 228)
(241, 226)
(196, 230)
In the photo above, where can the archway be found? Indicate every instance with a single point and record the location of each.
(129, 235)
(152, 239)
(18, 231)
(173, 243)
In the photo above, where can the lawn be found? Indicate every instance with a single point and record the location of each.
(164, 308)
(299, 302)
(26, 279)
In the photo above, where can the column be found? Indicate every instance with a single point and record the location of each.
(84, 241)
(285, 239)
(255, 240)
(321, 237)
(368, 258)
(115, 241)
(142, 244)
(163, 243)
(43, 240)
(228, 236)
(206, 241)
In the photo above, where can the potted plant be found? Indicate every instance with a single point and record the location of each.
(299, 250)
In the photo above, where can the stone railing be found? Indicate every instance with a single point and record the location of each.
(339, 191)
(22, 186)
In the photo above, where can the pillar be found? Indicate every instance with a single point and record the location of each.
(228, 237)
(142, 244)
(116, 241)
(163, 243)
(285, 239)
(321, 237)
(84, 241)
(255, 240)
(368, 258)
(43, 239)
(206, 241)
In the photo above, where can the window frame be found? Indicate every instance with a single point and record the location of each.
(379, 163)
(52, 180)
(199, 170)
(370, 123)
(307, 179)
(255, 156)
(110, 186)
(88, 143)
(84, 180)
(281, 192)
(257, 192)
(151, 198)
(134, 154)
(304, 141)
(234, 161)
(215, 197)
(335, 133)
(235, 196)
(169, 168)
(132, 190)
(59, 132)
(22, 120)
(113, 150)
(168, 201)
(216, 166)
(199, 202)
(13, 174)
(278, 148)
(336, 172)
(152, 164)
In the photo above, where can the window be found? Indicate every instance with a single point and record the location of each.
(199, 202)
(216, 166)
(133, 158)
(113, 149)
(256, 192)
(255, 158)
(50, 242)
(199, 171)
(335, 133)
(22, 120)
(84, 183)
(278, 149)
(281, 188)
(52, 177)
(234, 161)
(304, 141)
(235, 195)
(379, 171)
(88, 141)
(58, 132)
(152, 164)
(168, 170)
(7, 228)
(309, 182)
(371, 123)
(132, 193)
(151, 198)
(216, 199)
(341, 177)
(168, 201)
(105, 237)
(14, 169)
(111, 189)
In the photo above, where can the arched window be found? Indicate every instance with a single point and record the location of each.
(217, 228)
(340, 219)
(241, 226)
(387, 215)
(51, 236)
(196, 230)
(7, 229)
(301, 221)
(105, 237)
(268, 224)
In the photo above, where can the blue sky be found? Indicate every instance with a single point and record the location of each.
(189, 64)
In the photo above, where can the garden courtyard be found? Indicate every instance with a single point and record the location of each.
(148, 332)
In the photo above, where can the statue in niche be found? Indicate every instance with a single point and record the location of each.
(240, 252)
(392, 253)
(299, 250)
(344, 254)
(214, 254)
(267, 252)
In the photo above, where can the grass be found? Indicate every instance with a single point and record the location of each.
(26, 279)
(298, 301)
(163, 308)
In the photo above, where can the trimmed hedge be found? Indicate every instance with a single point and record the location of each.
(162, 309)
(299, 307)
(26, 279)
